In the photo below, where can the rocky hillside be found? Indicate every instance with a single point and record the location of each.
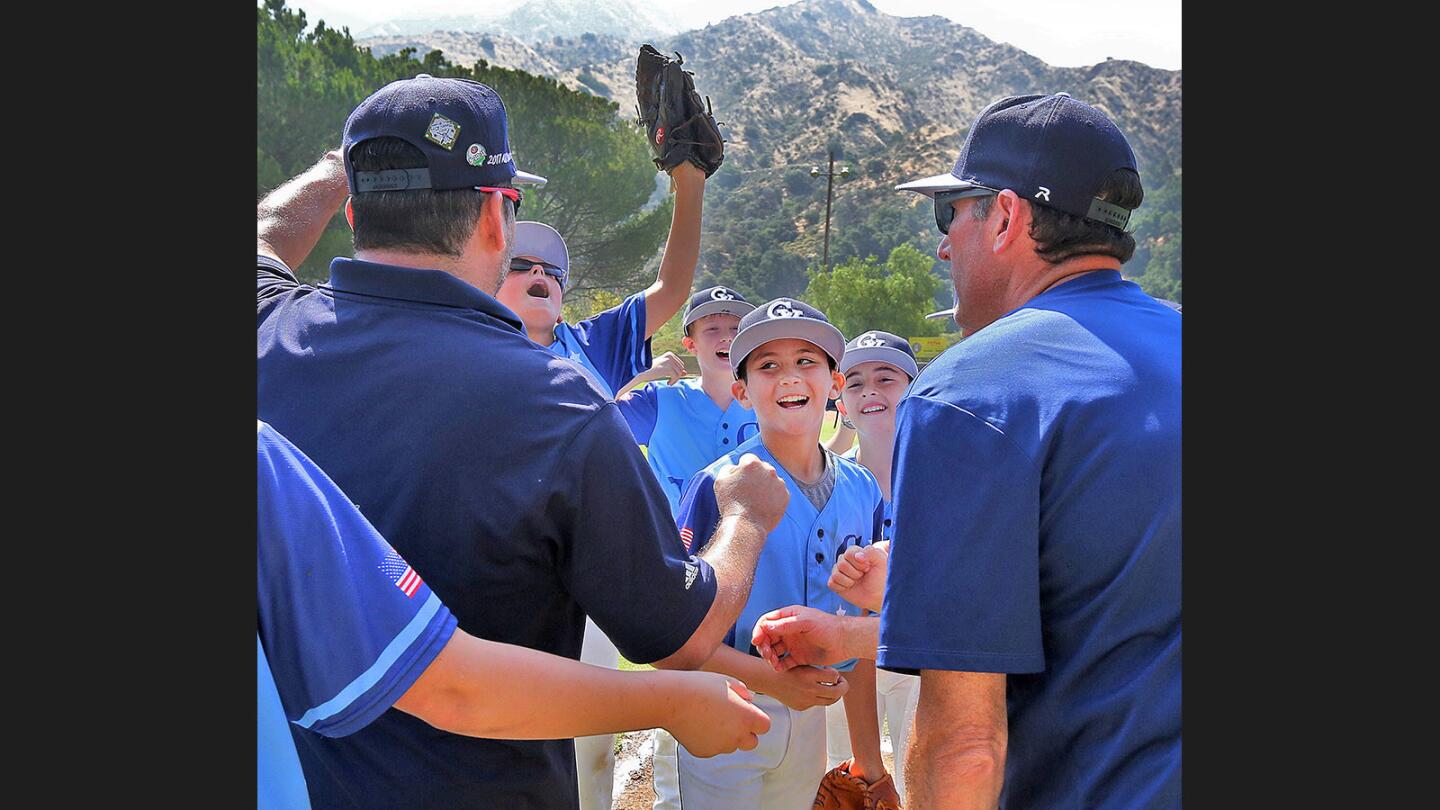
(893, 96)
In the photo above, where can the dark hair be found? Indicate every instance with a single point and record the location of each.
(425, 220)
(1059, 236)
(741, 373)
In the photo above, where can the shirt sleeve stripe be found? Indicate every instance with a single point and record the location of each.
(371, 676)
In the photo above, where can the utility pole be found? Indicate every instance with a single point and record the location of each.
(830, 175)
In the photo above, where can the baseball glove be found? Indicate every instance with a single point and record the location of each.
(839, 790)
(677, 125)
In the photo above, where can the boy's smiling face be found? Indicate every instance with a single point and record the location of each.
(871, 393)
(787, 382)
(709, 340)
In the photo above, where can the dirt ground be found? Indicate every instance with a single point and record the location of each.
(638, 792)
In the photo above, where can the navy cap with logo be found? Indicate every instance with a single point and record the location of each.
(459, 124)
(1051, 150)
(785, 318)
(883, 347)
(716, 301)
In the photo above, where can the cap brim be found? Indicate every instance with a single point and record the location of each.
(881, 354)
(944, 313)
(717, 307)
(822, 334)
(930, 186)
(528, 179)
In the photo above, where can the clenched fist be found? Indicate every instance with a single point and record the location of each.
(717, 716)
(859, 575)
(752, 488)
(669, 365)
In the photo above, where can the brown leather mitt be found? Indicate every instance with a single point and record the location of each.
(840, 790)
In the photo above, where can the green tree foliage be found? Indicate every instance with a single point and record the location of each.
(864, 294)
(599, 166)
(867, 225)
(1157, 241)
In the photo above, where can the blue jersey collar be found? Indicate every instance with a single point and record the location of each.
(755, 444)
(414, 284)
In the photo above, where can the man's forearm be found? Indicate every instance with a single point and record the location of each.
(290, 220)
(862, 636)
(733, 552)
(958, 742)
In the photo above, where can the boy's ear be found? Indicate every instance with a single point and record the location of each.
(737, 390)
(837, 384)
(689, 343)
(350, 213)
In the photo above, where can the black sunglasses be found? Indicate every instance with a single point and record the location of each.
(945, 210)
(518, 265)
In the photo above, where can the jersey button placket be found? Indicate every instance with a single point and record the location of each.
(820, 555)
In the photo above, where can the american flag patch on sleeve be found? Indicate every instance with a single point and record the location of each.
(687, 536)
(404, 576)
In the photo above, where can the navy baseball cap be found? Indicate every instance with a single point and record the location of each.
(884, 347)
(784, 318)
(1051, 150)
(716, 301)
(459, 124)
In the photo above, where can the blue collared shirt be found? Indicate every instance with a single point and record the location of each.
(502, 474)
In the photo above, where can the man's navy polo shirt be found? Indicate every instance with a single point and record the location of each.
(1037, 534)
(501, 474)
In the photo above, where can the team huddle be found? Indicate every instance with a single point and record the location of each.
(460, 535)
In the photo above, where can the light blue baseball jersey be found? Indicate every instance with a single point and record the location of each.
(683, 430)
(794, 566)
(345, 626)
(611, 346)
(887, 526)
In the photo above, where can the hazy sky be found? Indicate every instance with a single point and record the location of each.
(1065, 33)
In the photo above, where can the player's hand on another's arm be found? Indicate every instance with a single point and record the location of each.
(752, 488)
(801, 688)
(669, 365)
(793, 636)
(859, 575)
(715, 715)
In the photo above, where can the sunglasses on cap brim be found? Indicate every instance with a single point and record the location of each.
(514, 195)
(945, 211)
(518, 265)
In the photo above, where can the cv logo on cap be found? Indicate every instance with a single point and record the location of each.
(442, 131)
(475, 155)
(722, 294)
(784, 308)
(869, 341)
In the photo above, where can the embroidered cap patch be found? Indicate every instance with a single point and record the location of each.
(442, 131)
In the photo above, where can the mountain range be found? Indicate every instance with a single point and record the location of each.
(891, 96)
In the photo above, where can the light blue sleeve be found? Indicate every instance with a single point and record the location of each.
(641, 409)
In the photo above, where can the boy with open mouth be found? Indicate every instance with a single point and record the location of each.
(613, 346)
(784, 361)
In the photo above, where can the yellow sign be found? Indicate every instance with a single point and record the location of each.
(927, 347)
